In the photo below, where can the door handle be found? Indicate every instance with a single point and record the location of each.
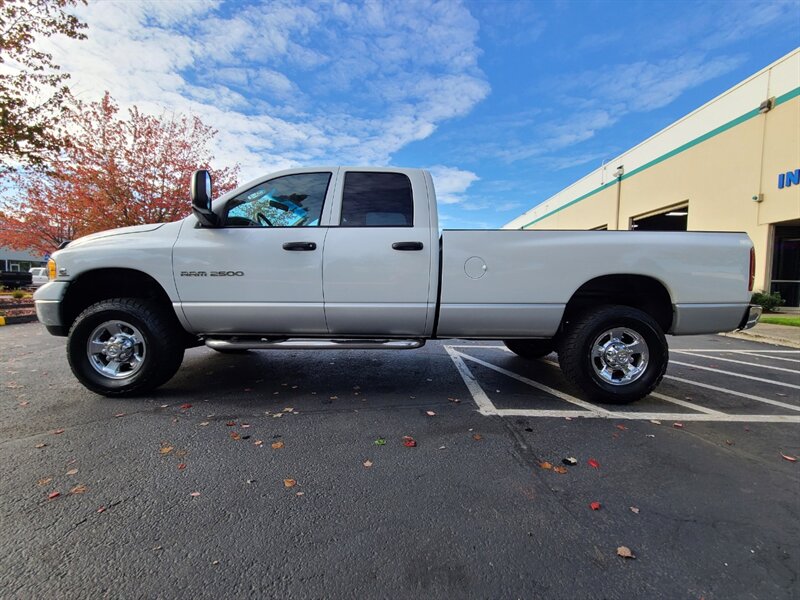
(297, 246)
(407, 246)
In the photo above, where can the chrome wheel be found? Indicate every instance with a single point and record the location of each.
(619, 356)
(116, 349)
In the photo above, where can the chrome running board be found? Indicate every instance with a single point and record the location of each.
(240, 343)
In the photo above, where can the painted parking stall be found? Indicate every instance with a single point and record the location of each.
(752, 383)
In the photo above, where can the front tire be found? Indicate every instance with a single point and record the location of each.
(530, 349)
(124, 346)
(614, 354)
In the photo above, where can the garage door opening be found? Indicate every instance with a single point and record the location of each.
(672, 219)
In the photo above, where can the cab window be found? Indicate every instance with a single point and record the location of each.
(288, 201)
(377, 200)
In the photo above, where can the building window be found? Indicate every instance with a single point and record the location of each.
(674, 218)
(786, 264)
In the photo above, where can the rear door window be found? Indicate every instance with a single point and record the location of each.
(377, 200)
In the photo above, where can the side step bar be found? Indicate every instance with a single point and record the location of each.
(311, 344)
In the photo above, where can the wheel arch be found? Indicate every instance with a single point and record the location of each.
(101, 284)
(643, 292)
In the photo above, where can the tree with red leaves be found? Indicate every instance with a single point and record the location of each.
(115, 172)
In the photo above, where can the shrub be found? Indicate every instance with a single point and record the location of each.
(768, 301)
(18, 294)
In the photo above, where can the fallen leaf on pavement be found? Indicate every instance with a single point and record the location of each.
(235, 436)
(204, 424)
(79, 489)
(288, 409)
(102, 509)
(570, 460)
(409, 442)
(729, 442)
(194, 494)
(634, 510)
(245, 425)
(230, 423)
(40, 446)
(454, 400)
(477, 437)
(622, 427)
(24, 403)
(430, 413)
(678, 425)
(277, 445)
(594, 505)
(789, 458)
(545, 465)
(277, 415)
(185, 406)
(215, 562)
(655, 421)
(52, 495)
(300, 494)
(560, 470)
(181, 466)
(258, 443)
(57, 431)
(593, 463)
(367, 463)
(380, 442)
(625, 552)
(72, 472)
(118, 415)
(165, 449)
(289, 483)
(44, 481)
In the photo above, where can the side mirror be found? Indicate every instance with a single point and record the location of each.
(201, 199)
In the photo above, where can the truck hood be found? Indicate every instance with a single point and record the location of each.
(112, 232)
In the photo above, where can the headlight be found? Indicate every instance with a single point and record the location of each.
(51, 269)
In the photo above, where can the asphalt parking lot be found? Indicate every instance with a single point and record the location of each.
(181, 493)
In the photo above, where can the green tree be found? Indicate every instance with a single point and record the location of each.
(33, 90)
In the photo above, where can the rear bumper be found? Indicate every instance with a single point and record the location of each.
(751, 317)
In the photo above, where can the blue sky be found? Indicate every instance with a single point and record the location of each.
(506, 102)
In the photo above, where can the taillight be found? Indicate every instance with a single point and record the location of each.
(752, 269)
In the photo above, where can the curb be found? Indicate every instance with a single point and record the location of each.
(756, 337)
(17, 320)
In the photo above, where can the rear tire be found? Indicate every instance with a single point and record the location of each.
(530, 349)
(614, 354)
(124, 346)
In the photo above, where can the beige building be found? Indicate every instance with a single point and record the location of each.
(731, 165)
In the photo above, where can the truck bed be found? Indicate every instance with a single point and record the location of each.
(508, 283)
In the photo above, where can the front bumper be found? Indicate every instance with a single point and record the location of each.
(47, 300)
(751, 317)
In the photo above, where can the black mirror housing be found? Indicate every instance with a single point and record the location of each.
(201, 199)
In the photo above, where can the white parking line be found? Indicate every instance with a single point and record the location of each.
(641, 416)
(690, 405)
(715, 388)
(738, 362)
(481, 399)
(796, 360)
(735, 351)
(732, 374)
(557, 393)
(486, 406)
(666, 398)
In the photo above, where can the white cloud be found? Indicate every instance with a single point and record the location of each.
(451, 183)
(285, 83)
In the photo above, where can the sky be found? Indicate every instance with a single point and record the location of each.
(505, 102)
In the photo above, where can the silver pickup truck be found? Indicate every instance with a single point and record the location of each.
(347, 257)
